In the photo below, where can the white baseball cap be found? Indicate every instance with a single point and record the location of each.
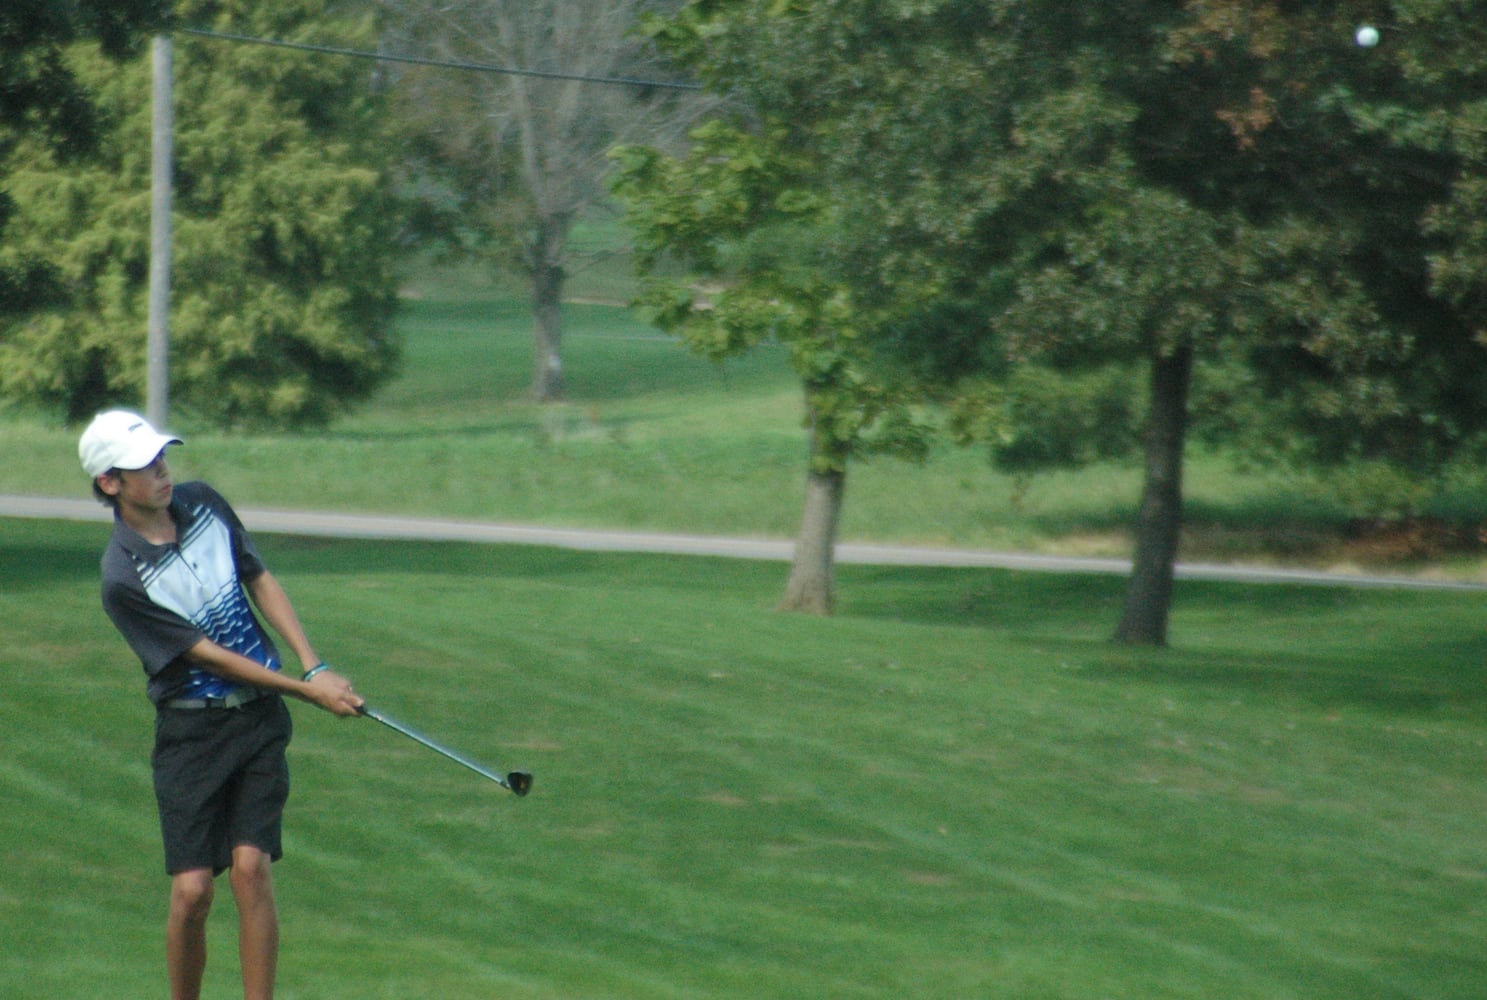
(119, 439)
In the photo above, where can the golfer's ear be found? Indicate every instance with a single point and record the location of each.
(109, 483)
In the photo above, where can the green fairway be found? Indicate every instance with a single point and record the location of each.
(956, 788)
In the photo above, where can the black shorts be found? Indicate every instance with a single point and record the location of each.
(221, 781)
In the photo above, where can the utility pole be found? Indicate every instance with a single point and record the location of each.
(162, 151)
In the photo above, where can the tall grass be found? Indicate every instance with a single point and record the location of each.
(956, 788)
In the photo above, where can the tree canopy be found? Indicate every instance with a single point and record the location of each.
(1280, 226)
(283, 292)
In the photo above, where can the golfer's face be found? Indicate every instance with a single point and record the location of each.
(147, 487)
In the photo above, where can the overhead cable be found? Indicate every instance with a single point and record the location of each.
(472, 67)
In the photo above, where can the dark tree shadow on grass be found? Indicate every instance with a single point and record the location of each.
(1407, 652)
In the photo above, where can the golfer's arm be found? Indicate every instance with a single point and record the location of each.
(240, 669)
(273, 603)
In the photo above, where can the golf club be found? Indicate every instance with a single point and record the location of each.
(519, 782)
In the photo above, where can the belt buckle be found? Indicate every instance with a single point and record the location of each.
(243, 696)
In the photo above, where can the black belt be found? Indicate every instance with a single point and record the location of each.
(239, 698)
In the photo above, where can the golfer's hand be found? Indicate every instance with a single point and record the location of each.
(333, 693)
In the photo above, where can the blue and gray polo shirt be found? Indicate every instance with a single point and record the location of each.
(165, 598)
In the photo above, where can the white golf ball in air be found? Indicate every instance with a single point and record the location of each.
(1367, 36)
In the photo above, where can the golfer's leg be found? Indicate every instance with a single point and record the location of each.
(186, 932)
(258, 921)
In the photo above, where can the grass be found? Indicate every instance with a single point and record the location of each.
(954, 788)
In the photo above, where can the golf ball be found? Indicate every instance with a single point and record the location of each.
(1367, 36)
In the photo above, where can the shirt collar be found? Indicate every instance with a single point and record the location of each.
(142, 548)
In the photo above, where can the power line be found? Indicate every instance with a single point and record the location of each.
(440, 63)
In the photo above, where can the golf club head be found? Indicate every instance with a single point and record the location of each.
(519, 782)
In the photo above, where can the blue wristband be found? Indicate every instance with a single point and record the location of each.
(315, 670)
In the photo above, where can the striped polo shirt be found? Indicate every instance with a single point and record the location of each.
(166, 598)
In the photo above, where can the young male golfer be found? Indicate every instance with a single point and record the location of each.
(177, 575)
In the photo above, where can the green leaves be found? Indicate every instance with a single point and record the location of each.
(1074, 188)
(282, 284)
(733, 237)
(39, 95)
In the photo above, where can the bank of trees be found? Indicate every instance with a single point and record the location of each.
(1280, 229)
(1016, 211)
(301, 176)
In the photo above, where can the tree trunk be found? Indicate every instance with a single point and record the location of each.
(812, 584)
(548, 277)
(1148, 600)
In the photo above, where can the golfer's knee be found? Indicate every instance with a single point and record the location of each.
(191, 896)
(252, 874)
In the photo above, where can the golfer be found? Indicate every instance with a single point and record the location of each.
(177, 577)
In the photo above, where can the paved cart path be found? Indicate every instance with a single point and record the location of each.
(373, 526)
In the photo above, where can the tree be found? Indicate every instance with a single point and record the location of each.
(523, 155)
(740, 211)
(41, 100)
(1228, 190)
(1258, 181)
(283, 284)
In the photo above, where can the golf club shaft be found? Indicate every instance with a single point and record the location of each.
(438, 748)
